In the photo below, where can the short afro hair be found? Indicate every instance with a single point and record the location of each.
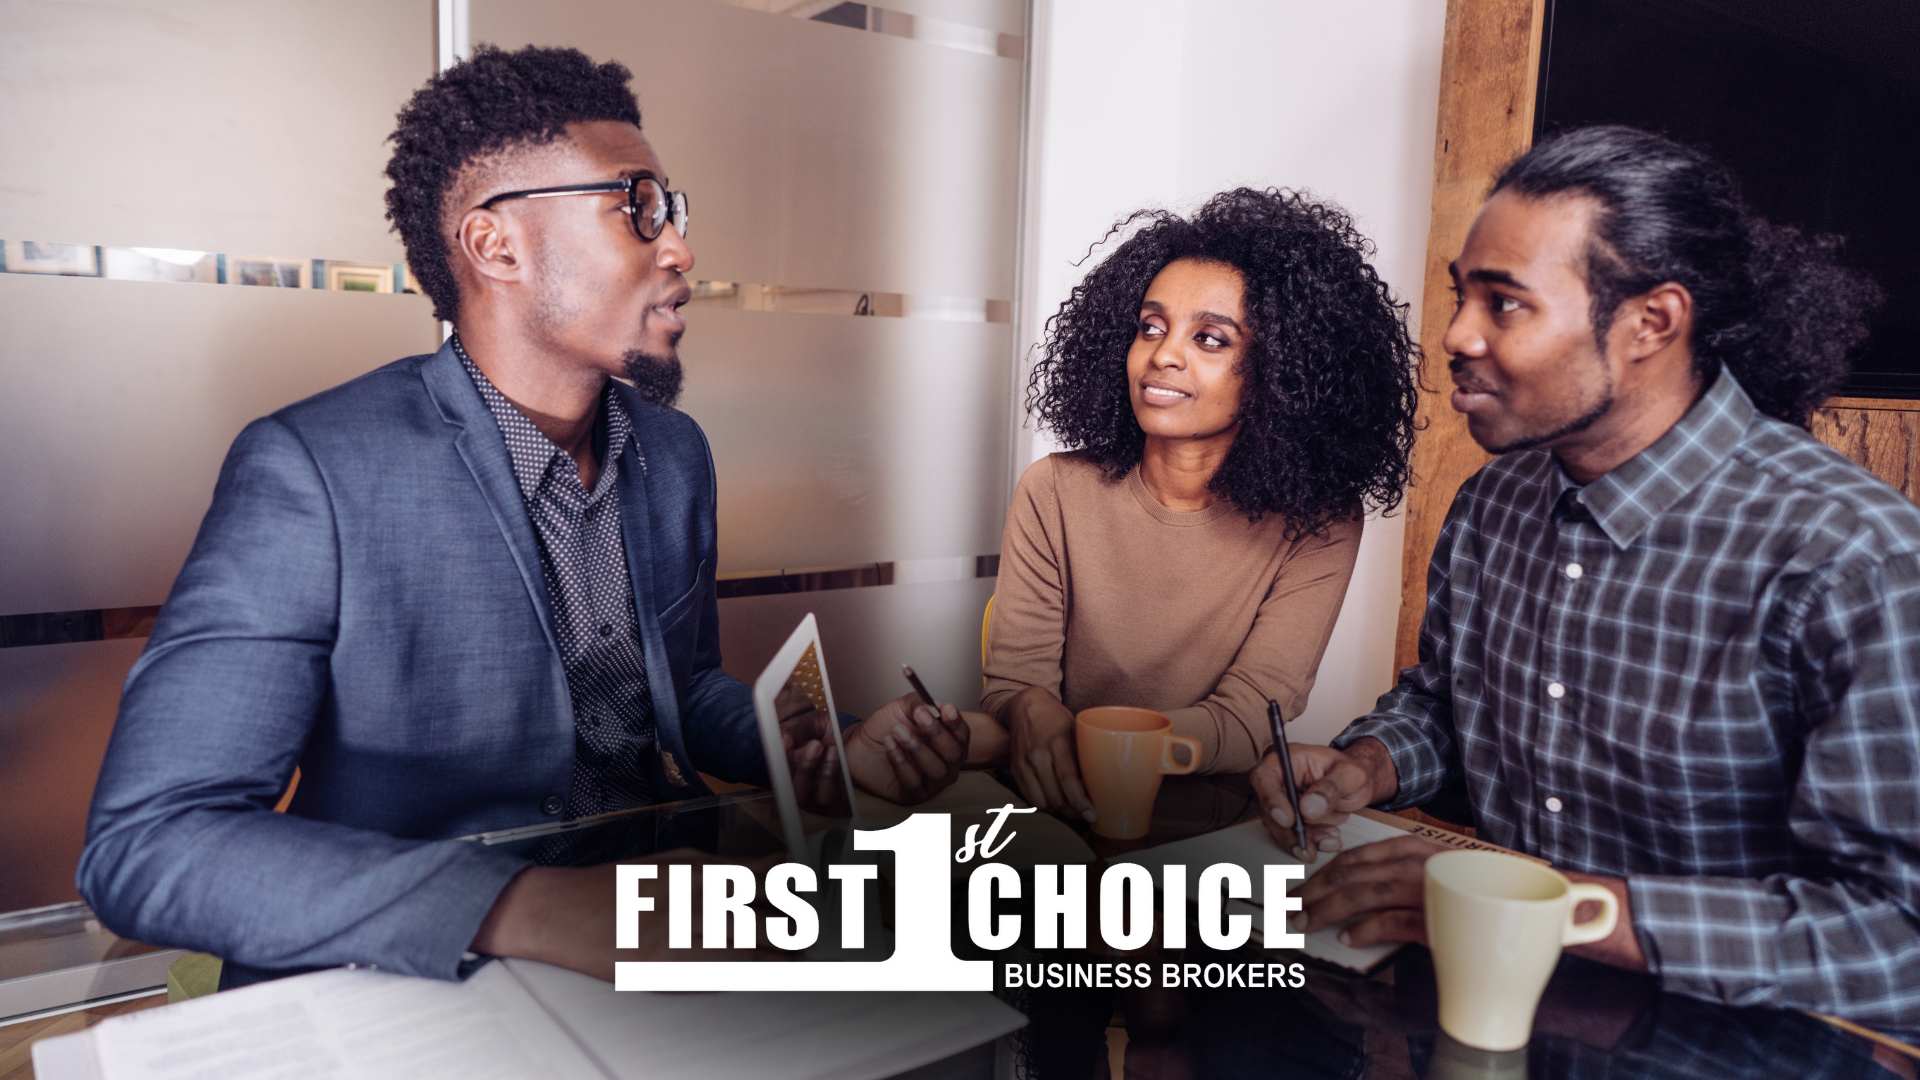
(476, 108)
(1327, 413)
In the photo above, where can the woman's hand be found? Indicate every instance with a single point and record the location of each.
(1045, 762)
(905, 752)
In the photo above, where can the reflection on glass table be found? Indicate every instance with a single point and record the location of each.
(1593, 1022)
(734, 826)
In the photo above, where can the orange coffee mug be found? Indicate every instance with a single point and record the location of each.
(1123, 754)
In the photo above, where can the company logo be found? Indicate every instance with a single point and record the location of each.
(923, 955)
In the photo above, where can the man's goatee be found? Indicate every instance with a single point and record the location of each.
(656, 378)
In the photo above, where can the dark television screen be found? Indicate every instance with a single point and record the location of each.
(1815, 105)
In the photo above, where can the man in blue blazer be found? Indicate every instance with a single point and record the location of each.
(465, 592)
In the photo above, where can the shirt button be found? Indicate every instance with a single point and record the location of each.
(552, 805)
(1556, 691)
(606, 629)
(1554, 805)
(1574, 571)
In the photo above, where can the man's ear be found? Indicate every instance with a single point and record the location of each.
(1656, 319)
(490, 244)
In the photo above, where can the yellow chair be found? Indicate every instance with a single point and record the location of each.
(193, 975)
(986, 624)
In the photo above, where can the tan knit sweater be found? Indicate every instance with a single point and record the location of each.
(1107, 597)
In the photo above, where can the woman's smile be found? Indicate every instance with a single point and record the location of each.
(1156, 392)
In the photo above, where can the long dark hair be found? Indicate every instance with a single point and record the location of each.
(1774, 305)
(1328, 399)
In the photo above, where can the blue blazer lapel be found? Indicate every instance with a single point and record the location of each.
(484, 450)
(636, 527)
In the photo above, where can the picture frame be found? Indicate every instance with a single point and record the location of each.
(43, 257)
(269, 270)
(360, 277)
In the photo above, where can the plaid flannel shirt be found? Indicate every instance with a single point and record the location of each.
(1701, 673)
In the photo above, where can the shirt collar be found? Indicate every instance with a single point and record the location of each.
(531, 452)
(1629, 497)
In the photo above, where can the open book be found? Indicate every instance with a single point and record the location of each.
(518, 1019)
(1250, 845)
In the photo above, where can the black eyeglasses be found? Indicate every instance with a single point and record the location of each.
(649, 204)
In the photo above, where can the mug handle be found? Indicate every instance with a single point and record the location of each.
(1171, 768)
(1596, 928)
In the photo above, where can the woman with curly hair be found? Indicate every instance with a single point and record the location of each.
(1235, 388)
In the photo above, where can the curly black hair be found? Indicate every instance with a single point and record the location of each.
(475, 109)
(1775, 306)
(1327, 414)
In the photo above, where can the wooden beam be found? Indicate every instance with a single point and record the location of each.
(1487, 77)
(1875, 404)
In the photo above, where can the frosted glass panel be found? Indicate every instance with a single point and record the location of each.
(121, 399)
(866, 635)
(1001, 16)
(841, 440)
(816, 156)
(206, 124)
(57, 704)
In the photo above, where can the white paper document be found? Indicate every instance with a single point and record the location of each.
(752, 1036)
(344, 1024)
(517, 1019)
(1249, 845)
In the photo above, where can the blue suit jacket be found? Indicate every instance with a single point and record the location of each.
(365, 599)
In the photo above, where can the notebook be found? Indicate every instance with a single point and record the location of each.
(1251, 846)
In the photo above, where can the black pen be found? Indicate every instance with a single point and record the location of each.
(920, 688)
(1286, 773)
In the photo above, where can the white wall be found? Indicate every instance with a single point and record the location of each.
(1164, 102)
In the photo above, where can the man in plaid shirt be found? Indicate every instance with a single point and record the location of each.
(1672, 643)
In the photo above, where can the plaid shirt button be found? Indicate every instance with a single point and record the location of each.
(1574, 571)
(1556, 691)
(1554, 805)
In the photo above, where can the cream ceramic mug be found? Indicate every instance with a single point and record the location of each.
(1496, 924)
(1123, 754)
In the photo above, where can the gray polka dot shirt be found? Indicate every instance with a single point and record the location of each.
(591, 594)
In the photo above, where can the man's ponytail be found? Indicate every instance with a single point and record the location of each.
(1773, 305)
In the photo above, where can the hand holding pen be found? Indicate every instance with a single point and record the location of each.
(1304, 850)
(1307, 790)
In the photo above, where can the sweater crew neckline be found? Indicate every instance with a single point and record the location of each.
(1176, 518)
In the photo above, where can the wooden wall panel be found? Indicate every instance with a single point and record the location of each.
(1486, 120)
(1882, 435)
